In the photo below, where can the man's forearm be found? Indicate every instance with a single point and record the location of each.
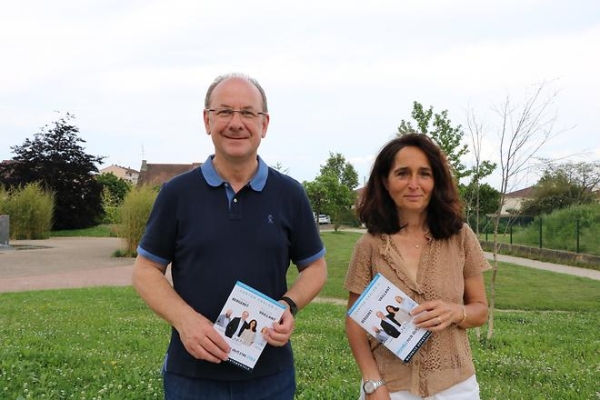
(309, 283)
(154, 288)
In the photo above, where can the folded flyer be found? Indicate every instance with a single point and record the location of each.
(245, 317)
(383, 311)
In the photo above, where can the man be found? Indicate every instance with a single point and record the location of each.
(234, 218)
(387, 326)
(237, 325)
(224, 319)
(380, 335)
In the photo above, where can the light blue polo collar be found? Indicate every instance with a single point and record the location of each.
(257, 183)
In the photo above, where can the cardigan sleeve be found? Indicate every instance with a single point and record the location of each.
(360, 268)
(475, 261)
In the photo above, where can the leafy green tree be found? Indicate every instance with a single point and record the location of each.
(114, 190)
(480, 200)
(440, 129)
(56, 159)
(328, 196)
(117, 187)
(344, 171)
(563, 186)
(332, 191)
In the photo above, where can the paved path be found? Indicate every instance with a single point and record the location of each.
(63, 263)
(563, 269)
(80, 262)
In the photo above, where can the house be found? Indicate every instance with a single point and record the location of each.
(127, 174)
(157, 174)
(359, 193)
(514, 200)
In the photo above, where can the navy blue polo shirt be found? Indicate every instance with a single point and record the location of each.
(213, 237)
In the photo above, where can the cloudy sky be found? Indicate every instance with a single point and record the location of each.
(339, 75)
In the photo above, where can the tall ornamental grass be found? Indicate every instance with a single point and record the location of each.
(110, 206)
(3, 200)
(30, 209)
(135, 211)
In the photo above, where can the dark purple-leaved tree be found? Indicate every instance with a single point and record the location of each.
(56, 159)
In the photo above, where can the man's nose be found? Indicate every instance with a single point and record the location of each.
(236, 120)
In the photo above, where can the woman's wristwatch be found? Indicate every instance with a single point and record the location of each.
(371, 386)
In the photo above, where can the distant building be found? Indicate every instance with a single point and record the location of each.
(157, 174)
(127, 174)
(514, 200)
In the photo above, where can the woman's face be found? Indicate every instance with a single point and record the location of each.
(410, 180)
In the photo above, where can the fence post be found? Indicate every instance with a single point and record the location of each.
(487, 228)
(577, 235)
(540, 231)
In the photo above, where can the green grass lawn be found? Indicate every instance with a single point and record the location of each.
(104, 343)
(96, 231)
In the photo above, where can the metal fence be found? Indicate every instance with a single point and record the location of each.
(543, 233)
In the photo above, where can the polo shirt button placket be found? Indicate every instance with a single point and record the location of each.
(236, 212)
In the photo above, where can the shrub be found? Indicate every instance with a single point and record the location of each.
(30, 209)
(135, 211)
(110, 207)
(3, 201)
(560, 230)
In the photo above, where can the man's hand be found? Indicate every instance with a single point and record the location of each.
(281, 331)
(201, 339)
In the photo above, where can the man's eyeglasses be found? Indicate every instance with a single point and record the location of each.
(227, 113)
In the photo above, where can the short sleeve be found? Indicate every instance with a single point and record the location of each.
(475, 260)
(360, 268)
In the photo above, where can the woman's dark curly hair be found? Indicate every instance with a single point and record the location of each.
(377, 210)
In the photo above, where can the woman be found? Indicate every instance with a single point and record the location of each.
(397, 315)
(249, 333)
(417, 239)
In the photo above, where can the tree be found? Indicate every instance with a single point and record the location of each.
(523, 131)
(472, 193)
(117, 187)
(332, 191)
(328, 196)
(279, 167)
(114, 190)
(449, 138)
(480, 199)
(345, 173)
(562, 186)
(56, 160)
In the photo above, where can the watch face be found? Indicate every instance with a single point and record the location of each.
(369, 387)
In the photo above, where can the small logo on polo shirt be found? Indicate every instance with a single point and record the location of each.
(270, 219)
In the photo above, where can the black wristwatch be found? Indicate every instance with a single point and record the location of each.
(292, 304)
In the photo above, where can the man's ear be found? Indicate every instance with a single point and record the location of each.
(206, 121)
(265, 125)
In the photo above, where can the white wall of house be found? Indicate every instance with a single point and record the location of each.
(127, 174)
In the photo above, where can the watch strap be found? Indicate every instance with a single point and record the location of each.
(292, 304)
(376, 384)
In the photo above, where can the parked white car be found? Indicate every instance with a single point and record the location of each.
(324, 219)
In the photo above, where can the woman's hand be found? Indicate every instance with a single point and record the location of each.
(437, 315)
